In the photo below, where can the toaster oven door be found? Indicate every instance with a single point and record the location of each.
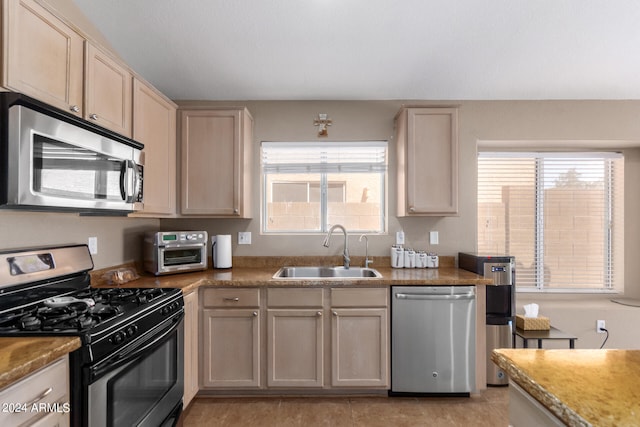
(182, 258)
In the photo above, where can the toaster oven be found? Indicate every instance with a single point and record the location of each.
(167, 252)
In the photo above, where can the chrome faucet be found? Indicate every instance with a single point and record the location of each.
(345, 254)
(367, 261)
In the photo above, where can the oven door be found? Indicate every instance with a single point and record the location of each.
(144, 385)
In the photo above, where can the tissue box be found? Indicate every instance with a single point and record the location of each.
(540, 323)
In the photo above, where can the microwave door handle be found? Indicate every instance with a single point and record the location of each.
(128, 181)
(124, 171)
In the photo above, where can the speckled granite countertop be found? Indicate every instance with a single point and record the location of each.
(262, 276)
(21, 356)
(580, 387)
(259, 271)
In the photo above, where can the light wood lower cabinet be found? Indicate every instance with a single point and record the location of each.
(295, 348)
(42, 398)
(311, 338)
(359, 355)
(359, 338)
(190, 347)
(231, 338)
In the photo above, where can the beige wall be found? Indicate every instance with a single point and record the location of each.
(119, 239)
(610, 124)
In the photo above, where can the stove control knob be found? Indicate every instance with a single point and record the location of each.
(131, 330)
(118, 337)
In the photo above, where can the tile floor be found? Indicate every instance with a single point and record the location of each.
(489, 408)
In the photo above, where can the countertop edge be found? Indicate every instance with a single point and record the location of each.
(30, 360)
(547, 399)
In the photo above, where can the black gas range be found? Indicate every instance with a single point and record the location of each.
(128, 370)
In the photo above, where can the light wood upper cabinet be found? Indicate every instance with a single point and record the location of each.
(108, 86)
(231, 343)
(215, 159)
(42, 56)
(427, 155)
(191, 339)
(155, 126)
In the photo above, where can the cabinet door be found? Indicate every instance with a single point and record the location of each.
(215, 161)
(359, 347)
(47, 386)
(427, 161)
(108, 97)
(190, 347)
(295, 348)
(43, 57)
(155, 126)
(231, 354)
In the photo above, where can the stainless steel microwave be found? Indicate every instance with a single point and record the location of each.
(52, 160)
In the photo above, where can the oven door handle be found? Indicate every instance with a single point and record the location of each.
(134, 352)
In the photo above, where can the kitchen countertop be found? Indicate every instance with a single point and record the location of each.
(262, 276)
(580, 387)
(20, 356)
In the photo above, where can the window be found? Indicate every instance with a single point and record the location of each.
(560, 214)
(308, 187)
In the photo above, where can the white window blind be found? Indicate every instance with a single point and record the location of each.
(327, 157)
(560, 214)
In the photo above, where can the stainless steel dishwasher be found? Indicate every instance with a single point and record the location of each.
(433, 340)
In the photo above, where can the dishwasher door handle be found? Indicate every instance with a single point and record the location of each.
(434, 297)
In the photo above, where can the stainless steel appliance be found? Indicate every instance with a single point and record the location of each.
(500, 303)
(129, 369)
(433, 340)
(52, 160)
(167, 252)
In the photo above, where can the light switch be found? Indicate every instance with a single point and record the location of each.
(433, 237)
(399, 237)
(93, 245)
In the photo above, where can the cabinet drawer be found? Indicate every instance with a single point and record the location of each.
(229, 297)
(294, 297)
(370, 297)
(45, 386)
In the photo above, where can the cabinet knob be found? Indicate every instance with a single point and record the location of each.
(236, 210)
(74, 108)
(412, 209)
(335, 313)
(319, 313)
(93, 116)
(236, 299)
(255, 314)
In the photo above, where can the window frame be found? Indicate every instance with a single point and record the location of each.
(609, 285)
(324, 181)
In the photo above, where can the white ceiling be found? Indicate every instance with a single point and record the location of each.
(378, 49)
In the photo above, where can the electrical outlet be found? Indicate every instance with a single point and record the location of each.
(399, 237)
(600, 326)
(244, 237)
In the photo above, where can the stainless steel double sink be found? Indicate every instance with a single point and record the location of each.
(326, 272)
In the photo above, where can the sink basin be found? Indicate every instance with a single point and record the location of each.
(324, 272)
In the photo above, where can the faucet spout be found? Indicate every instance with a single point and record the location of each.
(367, 261)
(345, 254)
